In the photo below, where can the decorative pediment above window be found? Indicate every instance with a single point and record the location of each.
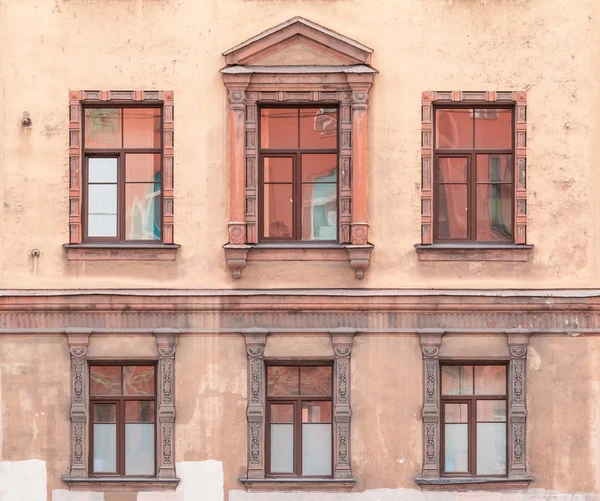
(298, 42)
(301, 65)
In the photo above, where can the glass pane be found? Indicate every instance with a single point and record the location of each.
(456, 452)
(279, 128)
(282, 448)
(282, 413)
(104, 225)
(278, 211)
(278, 170)
(142, 127)
(315, 380)
(319, 212)
(142, 168)
(142, 211)
(139, 411)
(102, 128)
(452, 210)
(316, 412)
(318, 128)
(283, 381)
(453, 170)
(102, 199)
(319, 168)
(490, 380)
(494, 168)
(102, 170)
(493, 128)
(494, 212)
(138, 380)
(139, 449)
(105, 380)
(316, 449)
(491, 449)
(456, 413)
(454, 128)
(105, 448)
(105, 413)
(457, 380)
(491, 410)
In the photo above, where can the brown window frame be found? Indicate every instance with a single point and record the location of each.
(120, 401)
(296, 155)
(120, 153)
(471, 400)
(297, 402)
(471, 155)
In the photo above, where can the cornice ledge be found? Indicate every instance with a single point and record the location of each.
(298, 484)
(120, 484)
(473, 483)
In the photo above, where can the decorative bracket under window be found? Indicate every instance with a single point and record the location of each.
(331, 70)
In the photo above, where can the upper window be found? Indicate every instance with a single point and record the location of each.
(122, 424)
(298, 174)
(299, 421)
(474, 174)
(122, 174)
(473, 417)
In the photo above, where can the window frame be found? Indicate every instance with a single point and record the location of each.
(120, 400)
(120, 154)
(472, 183)
(297, 183)
(297, 402)
(471, 400)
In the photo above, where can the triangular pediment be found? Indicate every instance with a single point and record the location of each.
(299, 42)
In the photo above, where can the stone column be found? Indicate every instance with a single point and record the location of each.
(518, 340)
(166, 342)
(78, 340)
(256, 339)
(342, 340)
(431, 340)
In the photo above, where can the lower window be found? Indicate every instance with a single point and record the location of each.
(122, 424)
(299, 421)
(473, 418)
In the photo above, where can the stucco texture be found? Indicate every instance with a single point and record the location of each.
(542, 46)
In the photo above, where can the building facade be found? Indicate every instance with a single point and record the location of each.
(313, 250)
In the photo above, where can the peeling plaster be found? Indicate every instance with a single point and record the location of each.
(65, 495)
(200, 480)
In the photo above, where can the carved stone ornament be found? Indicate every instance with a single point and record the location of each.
(255, 443)
(336, 71)
(79, 352)
(342, 351)
(78, 366)
(342, 369)
(431, 351)
(430, 370)
(430, 443)
(167, 449)
(518, 351)
(255, 351)
(167, 374)
(518, 429)
(518, 366)
(343, 443)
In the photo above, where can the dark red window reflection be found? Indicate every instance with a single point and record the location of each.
(298, 174)
(473, 198)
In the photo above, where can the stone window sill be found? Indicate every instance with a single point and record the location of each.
(473, 483)
(474, 252)
(121, 252)
(298, 484)
(237, 256)
(120, 484)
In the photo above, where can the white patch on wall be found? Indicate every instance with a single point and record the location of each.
(200, 480)
(23, 480)
(160, 496)
(412, 495)
(65, 495)
(534, 361)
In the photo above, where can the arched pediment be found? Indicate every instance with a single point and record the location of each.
(299, 42)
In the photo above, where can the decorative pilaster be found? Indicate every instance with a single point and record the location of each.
(166, 342)
(342, 340)
(75, 142)
(431, 340)
(78, 340)
(360, 85)
(256, 339)
(518, 340)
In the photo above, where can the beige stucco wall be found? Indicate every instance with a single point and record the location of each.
(563, 430)
(544, 46)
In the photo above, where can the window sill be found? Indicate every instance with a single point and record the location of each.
(121, 252)
(473, 483)
(112, 484)
(298, 484)
(474, 252)
(237, 256)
